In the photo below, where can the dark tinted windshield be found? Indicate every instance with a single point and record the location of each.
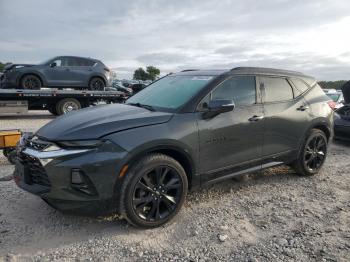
(171, 92)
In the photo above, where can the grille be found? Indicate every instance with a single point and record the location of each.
(36, 172)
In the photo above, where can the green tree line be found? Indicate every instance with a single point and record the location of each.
(2, 65)
(332, 84)
(151, 73)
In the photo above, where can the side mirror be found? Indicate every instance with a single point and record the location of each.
(53, 64)
(219, 106)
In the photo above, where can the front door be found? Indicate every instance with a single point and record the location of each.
(60, 74)
(234, 139)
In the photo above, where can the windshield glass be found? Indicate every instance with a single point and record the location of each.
(171, 92)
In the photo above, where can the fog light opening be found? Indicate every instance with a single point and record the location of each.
(77, 178)
(82, 183)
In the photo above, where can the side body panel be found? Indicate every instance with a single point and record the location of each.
(179, 134)
(229, 140)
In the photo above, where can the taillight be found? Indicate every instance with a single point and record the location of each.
(332, 104)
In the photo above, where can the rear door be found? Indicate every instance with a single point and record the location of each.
(233, 139)
(286, 116)
(80, 70)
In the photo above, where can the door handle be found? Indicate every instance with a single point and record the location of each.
(302, 108)
(255, 118)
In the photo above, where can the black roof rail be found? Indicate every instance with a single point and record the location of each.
(268, 70)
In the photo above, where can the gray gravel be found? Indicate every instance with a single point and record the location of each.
(273, 215)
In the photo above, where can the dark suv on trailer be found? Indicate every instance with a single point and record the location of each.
(185, 130)
(60, 71)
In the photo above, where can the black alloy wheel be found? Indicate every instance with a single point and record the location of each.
(97, 84)
(157, 193)
(31, 82)
(154, 191)
(315, 153)
(312, 154)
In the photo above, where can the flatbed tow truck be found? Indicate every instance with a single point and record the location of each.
(56, 101)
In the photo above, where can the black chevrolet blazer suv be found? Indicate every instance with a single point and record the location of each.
(183, 131)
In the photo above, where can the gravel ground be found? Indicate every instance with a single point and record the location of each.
(272, 215)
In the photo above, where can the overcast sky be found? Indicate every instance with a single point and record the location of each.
(306, 35)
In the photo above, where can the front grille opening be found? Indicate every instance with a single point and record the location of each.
(36, 172)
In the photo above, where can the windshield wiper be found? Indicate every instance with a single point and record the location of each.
(148, 107)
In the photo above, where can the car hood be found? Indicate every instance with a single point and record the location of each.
(346, 92)
(98, 121)
(11, 66)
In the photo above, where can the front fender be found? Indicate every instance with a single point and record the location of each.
(30, 71)
(179, 134)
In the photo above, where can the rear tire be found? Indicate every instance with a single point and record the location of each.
(31, 82)
(97, 84)
(154, 191)
(67, 105)
(313, 154)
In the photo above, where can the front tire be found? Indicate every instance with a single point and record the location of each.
(154, 191)
(312, 154)
(31, 82)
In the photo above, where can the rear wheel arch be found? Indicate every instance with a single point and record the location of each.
(97, 76)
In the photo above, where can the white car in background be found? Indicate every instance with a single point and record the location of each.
(337, 97)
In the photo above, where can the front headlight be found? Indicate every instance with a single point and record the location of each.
(80, 143)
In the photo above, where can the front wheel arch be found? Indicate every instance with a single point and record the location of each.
(27, 74)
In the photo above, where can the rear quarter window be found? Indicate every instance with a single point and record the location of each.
(300, 85)
(276, 89)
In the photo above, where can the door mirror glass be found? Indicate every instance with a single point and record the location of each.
(53, 64)
(218, 106)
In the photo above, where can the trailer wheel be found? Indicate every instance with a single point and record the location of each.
(67, 105)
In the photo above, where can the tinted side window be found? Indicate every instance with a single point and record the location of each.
(241, 89)
(61, 61)
(57, 61)
(83, 62)
(88, 62)
(72, 61)
(277, 89)
(300, 85)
